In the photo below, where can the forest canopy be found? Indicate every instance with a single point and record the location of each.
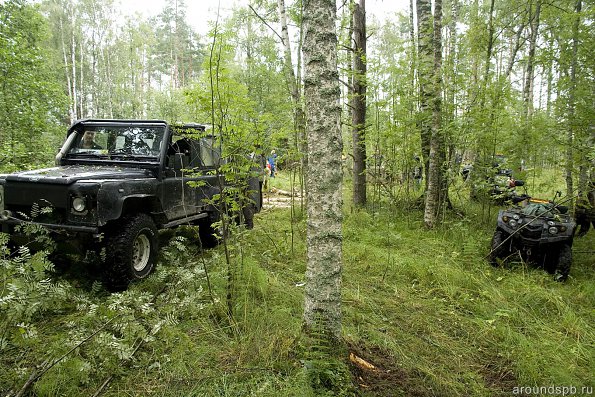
(516, 78)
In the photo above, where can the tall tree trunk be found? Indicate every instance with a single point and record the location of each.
(529, 70)
(71, 108)
(571, 108)
(413, 56)
(299, 119)
(322, 306)
(413, 103)
(488, 60)
(73, 67)
(424, 66)
(83, 109)
(437, 187)
(550, 78)
(358, 104)
(514, 50)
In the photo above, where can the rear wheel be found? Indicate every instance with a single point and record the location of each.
(500, 248)
(131, 251)
(209, 236)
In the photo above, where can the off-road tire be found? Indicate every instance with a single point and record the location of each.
(61, 261)
(131, 251)
(209, 236)
(564, 262)
(248, 214)
(499, 250)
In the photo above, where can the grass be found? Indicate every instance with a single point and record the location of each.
(423, 307)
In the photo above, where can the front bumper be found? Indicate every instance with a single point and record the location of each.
(8, 221)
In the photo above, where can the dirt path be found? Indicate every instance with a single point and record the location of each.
(277, 198)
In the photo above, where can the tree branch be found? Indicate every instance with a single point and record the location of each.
(35, 375)
(266, 23)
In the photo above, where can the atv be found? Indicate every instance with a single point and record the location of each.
(493, 181)
(540, 231)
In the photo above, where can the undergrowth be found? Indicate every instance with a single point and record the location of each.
(422, 309)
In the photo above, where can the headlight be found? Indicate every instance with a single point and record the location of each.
(512, 223)
(79, 204)
(553, 230)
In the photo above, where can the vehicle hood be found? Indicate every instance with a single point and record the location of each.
(67, 175)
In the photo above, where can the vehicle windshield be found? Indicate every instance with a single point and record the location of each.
(125, 141)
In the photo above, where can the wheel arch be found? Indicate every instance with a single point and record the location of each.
(134, 204)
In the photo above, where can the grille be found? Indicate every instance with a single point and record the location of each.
(532, 232)
(26, 201)
(24, 194)
(34, 213)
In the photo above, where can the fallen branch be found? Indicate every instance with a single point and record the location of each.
(35, 375)
(283, 192)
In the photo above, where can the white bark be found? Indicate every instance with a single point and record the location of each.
(322, 308)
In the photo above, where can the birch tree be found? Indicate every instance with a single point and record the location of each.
(424, 65)
(322, 307)
(436, 193)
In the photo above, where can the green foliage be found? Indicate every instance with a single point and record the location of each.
(31, 102)
(424, 308)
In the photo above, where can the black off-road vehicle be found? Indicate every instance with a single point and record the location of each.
(116, 183)
(541, 231)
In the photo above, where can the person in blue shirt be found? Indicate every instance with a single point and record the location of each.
(271, 162)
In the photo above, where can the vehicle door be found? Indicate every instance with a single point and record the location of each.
(190, 179)
(206, 160)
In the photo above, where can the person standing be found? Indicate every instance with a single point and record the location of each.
(271, 160)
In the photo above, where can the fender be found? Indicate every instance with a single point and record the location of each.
(115, 198)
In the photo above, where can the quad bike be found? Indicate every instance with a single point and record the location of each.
(494, 182)
(540, 231)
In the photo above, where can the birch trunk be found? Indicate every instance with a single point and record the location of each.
(436, 192)
(73, 70)
(71, 111)
(299, 119)
(322, 306)
(424, 64)
(528, 88)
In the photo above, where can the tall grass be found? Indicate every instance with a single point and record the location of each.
(424, 307)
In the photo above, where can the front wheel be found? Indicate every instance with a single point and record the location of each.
(500, 247)
(564, 262)
(131, 251)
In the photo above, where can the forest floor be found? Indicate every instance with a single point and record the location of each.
(424, 314)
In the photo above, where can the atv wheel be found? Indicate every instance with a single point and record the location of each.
(564, 262)
(131, 251)
(499, 247)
